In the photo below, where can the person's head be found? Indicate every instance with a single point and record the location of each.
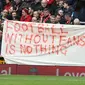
(46, 12)
(7, 1)
(52, 19)
(61, 3)
(67, 17)
(17, 1)
(24, 12)
(35, 14)
(66, 4)
(56, 2)
(58, 18)
(11, 10)
(76, 21)
(14, 14)
(5, 13)
(60, 12)
(34, 19)
(44, 3)
(30, 11)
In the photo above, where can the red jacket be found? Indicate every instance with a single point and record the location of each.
(50, 1)
(7, 6)
(28, 18)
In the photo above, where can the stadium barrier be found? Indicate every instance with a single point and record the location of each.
(75, 71)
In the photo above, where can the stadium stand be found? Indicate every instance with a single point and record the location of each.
(44, 11)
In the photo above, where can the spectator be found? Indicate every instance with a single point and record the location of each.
(67, 8)
(52, 19)
(61, 13)
(60, 4)
(44, 4)
(50, 2)
(36, 14)
(34, 19)
(4, 15)
(25, 16)
(68, 18)
(15, 16)
(36, 5)
(30, 11)
(58, 18)
(45, 16)
(8, 5)
(76, 21)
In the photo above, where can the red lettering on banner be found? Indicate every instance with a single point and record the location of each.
(28, 38)
(62, 39)
(43, 49)
(17, 27)
(62, 35)
(45, 38)
(81, 42)
(37, 39)
(53, 38)
(30, 26)
(7, 25)
(41, 28)
(24, 27)
(15, 38)
(47, 30)
(25, 49)
(37, 48)
(69, 41)
(62, 30)
(54, 30)
(21, 36)
(55, 49)
(10, 49)
(63, 49)
(49, 49)
(75, 39)
(8, 37)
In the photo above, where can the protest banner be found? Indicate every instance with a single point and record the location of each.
(43, 44)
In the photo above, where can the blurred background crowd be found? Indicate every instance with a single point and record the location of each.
(43, 11)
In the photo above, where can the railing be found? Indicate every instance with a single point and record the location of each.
(82, 22)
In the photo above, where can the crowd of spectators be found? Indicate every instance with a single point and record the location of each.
(43, 11)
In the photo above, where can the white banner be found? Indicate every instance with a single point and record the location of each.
(43, 44)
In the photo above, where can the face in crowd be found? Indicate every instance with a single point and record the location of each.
(7, 1)
(60, 12)
(65, 5)
(46, 12)
(52, 19)
(5, 13)
(61, 3)
(58, 18)
(44, 3)
(24, 12)
(35, 14)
